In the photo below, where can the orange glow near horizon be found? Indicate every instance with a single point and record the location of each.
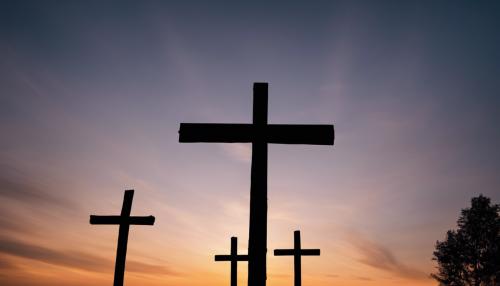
(78, 253)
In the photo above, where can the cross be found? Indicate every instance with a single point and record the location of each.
(234, 258)
(124, 220)
(259, 133)
(297, 254)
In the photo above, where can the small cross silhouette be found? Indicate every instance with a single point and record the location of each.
(124, 220)
(297, 254)
(234, 258)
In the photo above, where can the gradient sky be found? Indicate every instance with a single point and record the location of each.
(92, 94)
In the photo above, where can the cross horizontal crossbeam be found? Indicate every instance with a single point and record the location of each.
(113, 219)
(302, 252)
(320, 134)
(239, 257)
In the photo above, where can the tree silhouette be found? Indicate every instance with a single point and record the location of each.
(470, 255)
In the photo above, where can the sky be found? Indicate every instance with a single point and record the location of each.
(92, 94)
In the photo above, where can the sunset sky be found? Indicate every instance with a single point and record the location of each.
(92, 94)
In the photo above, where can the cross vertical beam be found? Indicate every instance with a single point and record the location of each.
(234, 258)
(234, 263)
(297, 262)
(297, 252)
(257, 237)
(121, 250)
(124, 220)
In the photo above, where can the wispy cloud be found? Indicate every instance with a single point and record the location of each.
(378, 256)
(362, 278)
(23, 199)
(20, 186)
(146, 268)
(10, 225)
(332, 275)
(75, 259)
(4, 264)
(238, 151)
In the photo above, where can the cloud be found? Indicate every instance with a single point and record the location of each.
(19, 186)
(362, 278)
(19, 189)
(4, 264)
(332, 275)
(75, 259)
(13, 225)
(380, 257)
(238, 151)
(146, 268)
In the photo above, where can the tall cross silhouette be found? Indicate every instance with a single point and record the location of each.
(234, 257)
(124, 220)
(259, 133)
(297, 254)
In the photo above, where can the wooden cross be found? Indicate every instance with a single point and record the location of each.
(124, 220)
(297, 254)
(259, 133)
(234, 258)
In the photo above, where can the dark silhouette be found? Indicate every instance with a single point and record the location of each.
(259, 133)
(470, 255)
(234, 258)
(124, 220)
(297, 254)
